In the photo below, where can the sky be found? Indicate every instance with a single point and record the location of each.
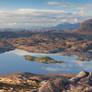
(43, 13)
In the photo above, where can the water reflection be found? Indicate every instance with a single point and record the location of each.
(13, 61)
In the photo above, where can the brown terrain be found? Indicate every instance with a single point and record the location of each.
(27, 82)
(56, 41)
(4, 46)
(75, 42)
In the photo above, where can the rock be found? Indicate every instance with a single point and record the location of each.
(82, 74)
(90, 90)
(81, 82)
(56, 85)
(47, 86)
(74, 79)
(2, 90)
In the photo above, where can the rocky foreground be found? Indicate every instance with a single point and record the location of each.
(28, 82)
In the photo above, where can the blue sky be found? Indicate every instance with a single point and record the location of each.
(38, 4)
(43, 13)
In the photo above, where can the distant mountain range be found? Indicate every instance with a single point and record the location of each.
(50, 41)
(84, 27)
(63, 27)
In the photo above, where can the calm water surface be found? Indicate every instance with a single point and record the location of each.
(14, 61)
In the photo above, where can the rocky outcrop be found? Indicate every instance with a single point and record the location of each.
(56, 85)
(85, 29)
(28, 82)
(80, 83)
(86, 26)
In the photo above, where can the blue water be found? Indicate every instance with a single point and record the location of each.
(14, 61)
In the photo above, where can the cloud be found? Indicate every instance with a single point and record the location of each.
(53, 3)
(85, 10)
(69, 6)
(51, 69)
(34, 18)
(84, 7)
(60, 4)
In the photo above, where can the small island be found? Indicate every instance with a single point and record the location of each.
(84, 58)
(42, 59)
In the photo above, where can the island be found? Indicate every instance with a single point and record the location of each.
(41, 59)
(52, 41)
(84, 58)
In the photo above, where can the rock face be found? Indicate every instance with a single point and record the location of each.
(56, 85)
(82, 74)
(80, 83)
(28, 82)
(86, 26)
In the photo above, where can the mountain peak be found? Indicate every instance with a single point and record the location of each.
(85, 27)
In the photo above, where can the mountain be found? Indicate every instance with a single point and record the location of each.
(68, 26)
(85, 27)
(65, 26)
(61, 27)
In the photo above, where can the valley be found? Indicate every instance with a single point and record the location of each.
(48, 53)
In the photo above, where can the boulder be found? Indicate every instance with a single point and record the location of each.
(82, 74)
(77, 78)
(56, 85)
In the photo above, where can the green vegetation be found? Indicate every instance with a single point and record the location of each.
(42, 59)
(84, 58)
(30, 58)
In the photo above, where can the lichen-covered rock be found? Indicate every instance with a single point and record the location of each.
(81, 82)
(82, 74)
(56, 85)
(48, 87)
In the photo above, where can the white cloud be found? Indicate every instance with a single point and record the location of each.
(53, 3)
(28, 18)
(51, 69)
(60, 4)
(83, 9)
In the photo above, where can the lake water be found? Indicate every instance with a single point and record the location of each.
(13, 61)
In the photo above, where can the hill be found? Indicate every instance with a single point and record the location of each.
(66, 26)
(85, 27)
